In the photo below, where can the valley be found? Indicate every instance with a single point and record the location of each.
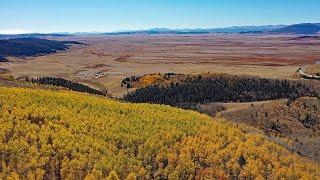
(106, 60)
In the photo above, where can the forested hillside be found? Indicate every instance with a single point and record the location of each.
(22, 47)
(67, 84)
(53, 135)
(298, 120)
(220, 88)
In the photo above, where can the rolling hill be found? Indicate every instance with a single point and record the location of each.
(60, 134)
(186, 90)
(305, 28)
(33, 35)
(23, 47)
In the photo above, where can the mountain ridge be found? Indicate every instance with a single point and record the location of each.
(303, 28)
(300, 28)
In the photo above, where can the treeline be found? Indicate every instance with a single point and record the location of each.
(22, 47)
(67, 84)
(220, 88)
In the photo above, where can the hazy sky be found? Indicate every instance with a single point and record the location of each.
(19, 16)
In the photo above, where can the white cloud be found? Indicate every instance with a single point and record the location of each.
(13, 31)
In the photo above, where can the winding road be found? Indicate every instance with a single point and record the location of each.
(305, 75)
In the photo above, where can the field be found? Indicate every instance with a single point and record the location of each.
(313, 69)
(108, 59)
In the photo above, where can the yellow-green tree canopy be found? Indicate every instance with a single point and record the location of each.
(50, 134)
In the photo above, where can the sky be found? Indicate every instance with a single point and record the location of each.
(47, 16)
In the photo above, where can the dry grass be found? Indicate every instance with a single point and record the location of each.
(313, 69)
(124, 56)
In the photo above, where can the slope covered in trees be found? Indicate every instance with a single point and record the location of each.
(67, 84)
(297, 121)
(47, 134)
(22, 47)
(219, 88)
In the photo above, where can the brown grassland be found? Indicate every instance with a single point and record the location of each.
(117, 57)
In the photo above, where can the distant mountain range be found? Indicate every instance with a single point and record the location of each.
(306, 28)
(233, 29)
(302, 29)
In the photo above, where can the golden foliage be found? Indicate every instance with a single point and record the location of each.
(52, 135)
(150, 79)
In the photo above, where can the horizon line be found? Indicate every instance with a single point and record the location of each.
(22, 31)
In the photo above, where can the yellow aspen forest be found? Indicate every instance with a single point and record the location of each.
(66, 135)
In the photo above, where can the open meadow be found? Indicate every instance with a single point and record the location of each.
(106, 60)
